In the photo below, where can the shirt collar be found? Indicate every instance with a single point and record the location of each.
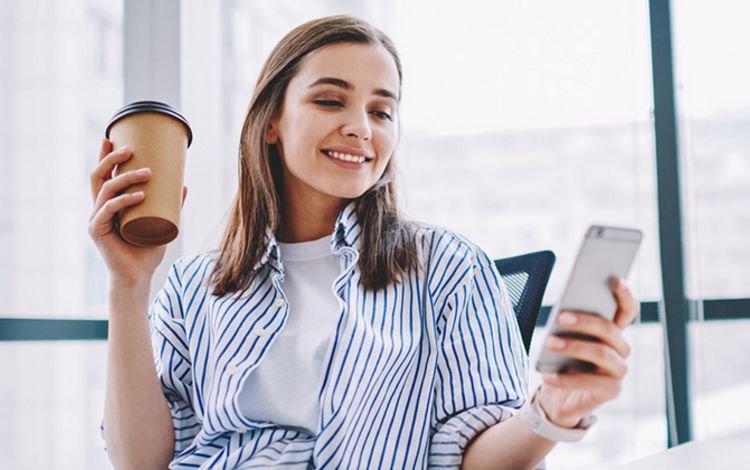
(346, 233)
(272, 252)
(347, 230)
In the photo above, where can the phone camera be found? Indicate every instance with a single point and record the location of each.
(599, 232)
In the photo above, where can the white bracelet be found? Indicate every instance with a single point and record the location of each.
(534, 416)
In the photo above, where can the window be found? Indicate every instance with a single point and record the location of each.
(51, 405)
(712, 72)
(62, 80)
(713, 104)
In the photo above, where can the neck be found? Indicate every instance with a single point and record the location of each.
(309, 218)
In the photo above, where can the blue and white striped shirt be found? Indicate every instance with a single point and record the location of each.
(413, 373)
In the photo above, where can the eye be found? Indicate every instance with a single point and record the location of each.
(329, 103)
(383, 115)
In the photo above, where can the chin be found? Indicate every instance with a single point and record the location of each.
(348, 194)
(348, 191)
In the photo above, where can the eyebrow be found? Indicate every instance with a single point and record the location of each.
(348, 86)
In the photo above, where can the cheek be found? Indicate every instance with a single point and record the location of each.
(297, 142)
(385, 149)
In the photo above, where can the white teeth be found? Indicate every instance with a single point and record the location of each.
(346, 157)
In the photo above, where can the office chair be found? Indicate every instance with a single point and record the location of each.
(526, 278)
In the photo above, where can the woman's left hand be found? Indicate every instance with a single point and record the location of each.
(567, 398)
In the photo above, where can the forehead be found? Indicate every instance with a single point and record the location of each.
(364, 65)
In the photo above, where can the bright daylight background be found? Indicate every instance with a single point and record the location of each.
(523, 123)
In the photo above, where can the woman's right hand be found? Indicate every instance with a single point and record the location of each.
(127, 264)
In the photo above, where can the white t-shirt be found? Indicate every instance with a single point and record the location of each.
(284, 388)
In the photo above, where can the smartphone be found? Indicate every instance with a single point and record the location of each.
(604, 253)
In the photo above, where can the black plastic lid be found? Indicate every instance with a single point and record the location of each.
(149, 107)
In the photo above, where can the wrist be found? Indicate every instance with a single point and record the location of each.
(536, 419)
(136, 283)
(129, 292)
(570, 422)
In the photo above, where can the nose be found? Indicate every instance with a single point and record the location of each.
(357, 125)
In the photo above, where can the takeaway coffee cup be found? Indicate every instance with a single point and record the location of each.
(158, 136)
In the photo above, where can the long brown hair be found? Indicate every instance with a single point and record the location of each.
(388, 244)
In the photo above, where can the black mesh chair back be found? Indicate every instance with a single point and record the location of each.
(526, 278)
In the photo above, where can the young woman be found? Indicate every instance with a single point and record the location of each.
(327, 331)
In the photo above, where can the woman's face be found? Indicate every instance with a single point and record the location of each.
(338, 125)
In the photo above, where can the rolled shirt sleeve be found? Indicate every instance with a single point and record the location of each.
(482, 364)
(172, 358)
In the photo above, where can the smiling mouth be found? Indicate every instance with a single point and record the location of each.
(345, 157)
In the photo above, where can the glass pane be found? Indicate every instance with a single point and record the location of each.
(51, 405)
(712, 71)
(61, 79)
(550, 130)
(720, 379)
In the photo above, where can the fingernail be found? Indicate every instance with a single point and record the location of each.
(568, 318)
(556, 343)
(123, 149)
(143, 171)
(614, 281)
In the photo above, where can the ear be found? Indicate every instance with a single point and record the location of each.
(272, 135)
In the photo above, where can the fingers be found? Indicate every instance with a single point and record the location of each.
(96, 177)
(101, 222)
(597, 327)
(116, 185)
(606, 359)
(603, 388)
(107, 162)
(106, 147)
(627, 305)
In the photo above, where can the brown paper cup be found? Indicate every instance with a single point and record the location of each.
(158, 136)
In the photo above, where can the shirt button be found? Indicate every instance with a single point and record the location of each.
(259, 331)
(242, 429)
(233, 370)
(279, 302)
